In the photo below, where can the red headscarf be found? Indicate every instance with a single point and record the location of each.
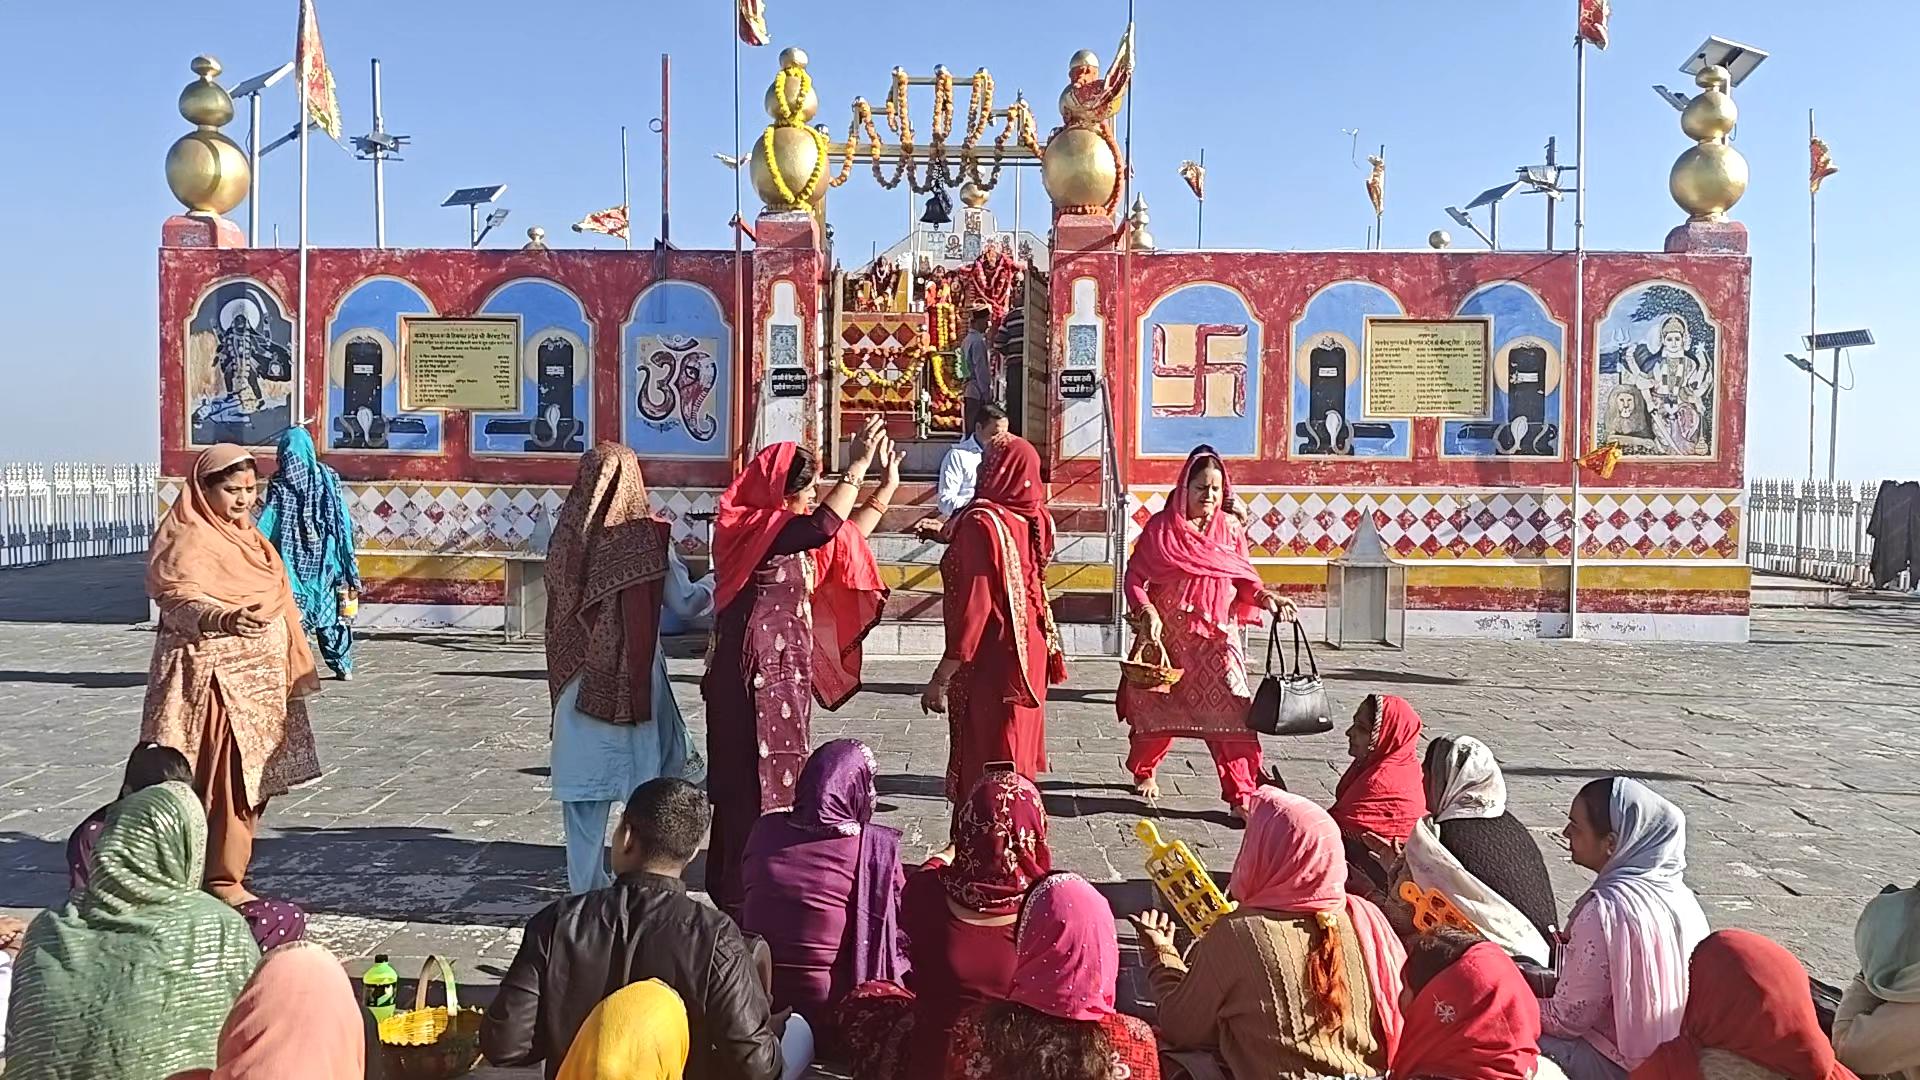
(1000, 845)
(1477, 1020)
(1291, 860)
(1383, 791)
(1213, 570)
(1066, 958)
(1748, 996)
(1009, 485)
(848, 595)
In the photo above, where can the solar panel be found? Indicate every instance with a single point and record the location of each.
(1839, 339)
(1494, 194)
(474, 196)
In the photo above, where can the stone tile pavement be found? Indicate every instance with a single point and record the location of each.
(1796, 757)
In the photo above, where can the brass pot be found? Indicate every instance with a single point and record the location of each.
(207, 172)
(1707, 180)
(797, 151)
(1078, 168)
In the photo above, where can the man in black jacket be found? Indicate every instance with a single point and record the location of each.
(580, 950)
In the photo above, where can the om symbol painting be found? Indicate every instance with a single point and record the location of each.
(239, 366)
(1655, 391)
(676, 373)
(556, 366)
(1199, 373)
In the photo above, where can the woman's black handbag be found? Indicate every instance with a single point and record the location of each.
(1291, 703)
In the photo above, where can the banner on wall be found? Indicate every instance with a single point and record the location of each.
(465, 364)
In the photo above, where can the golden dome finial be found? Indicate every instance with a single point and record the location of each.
(1711, 176)
(206, 170)
(788, 165)
(1138, 237)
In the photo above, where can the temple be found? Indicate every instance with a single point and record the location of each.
(1501, 420)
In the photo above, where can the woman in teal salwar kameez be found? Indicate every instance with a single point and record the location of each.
(305, 515)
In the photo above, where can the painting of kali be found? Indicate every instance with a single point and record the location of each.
(1656, 393)
(239, 366)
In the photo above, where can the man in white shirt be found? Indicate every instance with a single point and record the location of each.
(960, 468)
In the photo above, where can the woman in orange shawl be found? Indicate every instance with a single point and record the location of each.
(992, 681)
(230, 665)
(795, 595)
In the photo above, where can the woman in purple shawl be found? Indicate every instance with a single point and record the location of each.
(823, 886)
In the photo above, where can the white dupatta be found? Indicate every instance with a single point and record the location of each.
(1432, 866)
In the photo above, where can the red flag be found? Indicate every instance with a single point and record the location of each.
(1822, 167)
(612, 221)
(1593, 21)
(1195, 174)
(322, 106)
(753, 22)
(1601, 460)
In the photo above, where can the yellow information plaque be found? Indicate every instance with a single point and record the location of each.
(1428, 367)
(460, 364)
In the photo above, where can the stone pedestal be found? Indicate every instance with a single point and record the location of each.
(787, 268)
(1085, 232)
(201, 231)
(1708, 238)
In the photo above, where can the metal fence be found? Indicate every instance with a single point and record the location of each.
(50, 512)
(1815, 529)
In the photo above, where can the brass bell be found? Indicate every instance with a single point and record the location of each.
(939, 209)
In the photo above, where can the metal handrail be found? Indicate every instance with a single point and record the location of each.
(55, 511)
(1814, 529)
(1116, 517)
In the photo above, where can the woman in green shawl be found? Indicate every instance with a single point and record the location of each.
(132, 979)
(306, 517)
(1876, 1030)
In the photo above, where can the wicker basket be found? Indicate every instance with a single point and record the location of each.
(1148, 667)
(438, 1043)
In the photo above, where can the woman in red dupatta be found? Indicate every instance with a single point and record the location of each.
(1747, 997)
(1382, 795)
(1192, 588)
(795, 594)
(1469, 1014)
(992, 681)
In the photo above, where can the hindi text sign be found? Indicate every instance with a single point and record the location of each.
(460, 364)
(1428, 367)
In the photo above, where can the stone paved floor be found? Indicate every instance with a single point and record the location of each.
(1796, 757)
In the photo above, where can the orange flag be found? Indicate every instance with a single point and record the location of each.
(753, 22)
(1593, 21)
(612, 221)
(1822, 167)
(1195, 174)
(1601, 460)
(1377, 183)
(323, 107)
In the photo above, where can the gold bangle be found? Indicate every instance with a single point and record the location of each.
(876, 504)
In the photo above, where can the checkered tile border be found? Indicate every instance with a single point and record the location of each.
(1483, 524)
(405, 517)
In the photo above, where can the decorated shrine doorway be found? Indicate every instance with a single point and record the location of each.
(900, 325)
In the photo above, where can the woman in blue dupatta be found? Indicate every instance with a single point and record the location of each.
(306, 517)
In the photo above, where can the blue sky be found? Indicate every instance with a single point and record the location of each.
(532, 95)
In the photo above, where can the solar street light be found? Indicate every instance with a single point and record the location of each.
(473, 198)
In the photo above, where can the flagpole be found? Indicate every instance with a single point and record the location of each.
(1813, 303)
(626, 190)
(743, 360)
(297, 413)
(1577, 369)
(1200, 216)
(1380, 212)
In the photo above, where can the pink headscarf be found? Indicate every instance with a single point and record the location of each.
(1066, 958)
(1292, 860)
(297, 1016)
(1212, 571)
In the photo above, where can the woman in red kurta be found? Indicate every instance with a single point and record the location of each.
(992, 681)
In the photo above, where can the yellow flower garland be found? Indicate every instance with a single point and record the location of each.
(788, 113)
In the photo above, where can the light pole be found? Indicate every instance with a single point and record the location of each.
(473, 198)
(250, 90)
(1838, 341)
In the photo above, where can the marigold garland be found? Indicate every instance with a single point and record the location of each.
(788, 116)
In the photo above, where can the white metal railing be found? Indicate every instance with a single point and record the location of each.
(1815, 529)
(50, 512)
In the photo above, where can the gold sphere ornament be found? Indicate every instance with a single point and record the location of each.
(1711, 176)
(1138, 236)
(972, 195)
(1439, 239)
(206, 170)
(789, 161)
(1078, 168)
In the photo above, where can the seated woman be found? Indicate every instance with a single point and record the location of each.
(136, 974)
(1749, 1016)
(297, 1019)
(1623, 974)
(1876, 1030)
(823, 887)
(1303, 978)
(959, 919)
(639, 1033)
(273, 922)
(1058, 1021)
(1381, 795)
(1469, 1012)
(1477, 854)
